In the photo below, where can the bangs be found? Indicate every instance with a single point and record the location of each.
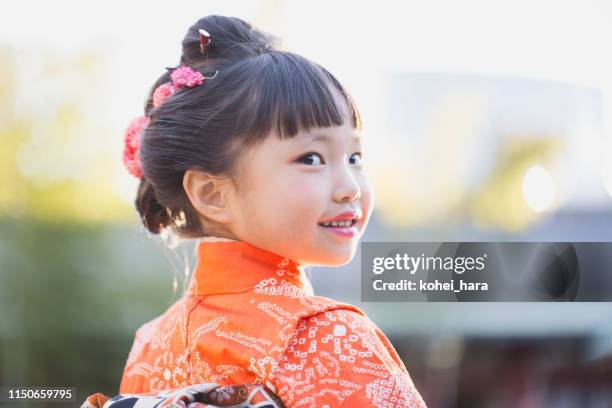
(285, 93)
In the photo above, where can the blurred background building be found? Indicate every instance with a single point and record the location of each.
(484, 121)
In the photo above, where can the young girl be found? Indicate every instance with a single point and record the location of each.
(256, 153)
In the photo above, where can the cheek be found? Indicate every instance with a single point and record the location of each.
(303, 197)
(290, 199)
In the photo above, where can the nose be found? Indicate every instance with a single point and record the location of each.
(347, 188)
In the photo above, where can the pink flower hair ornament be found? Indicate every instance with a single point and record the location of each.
(131, 155)
(182, 77)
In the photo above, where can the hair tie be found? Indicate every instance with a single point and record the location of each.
(182, 77)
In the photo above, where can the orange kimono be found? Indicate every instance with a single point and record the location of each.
(248, 316)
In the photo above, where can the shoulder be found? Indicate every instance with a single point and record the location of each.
(338, 356)
(158, 345)
(158, 331)
(168, 320)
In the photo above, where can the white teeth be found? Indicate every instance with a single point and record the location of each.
(346, 223)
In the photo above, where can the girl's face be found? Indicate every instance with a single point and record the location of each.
(289, 187)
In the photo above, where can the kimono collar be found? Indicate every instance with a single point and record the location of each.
(231, 266)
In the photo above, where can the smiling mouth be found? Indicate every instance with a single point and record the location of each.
(339, 224)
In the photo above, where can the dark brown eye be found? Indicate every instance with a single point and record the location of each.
(358, 158)
(311, 159)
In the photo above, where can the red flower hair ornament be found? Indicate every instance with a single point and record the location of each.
(182, 77)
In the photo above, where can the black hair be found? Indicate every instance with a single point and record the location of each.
(259, 88)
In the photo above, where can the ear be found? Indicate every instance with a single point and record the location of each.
(209, 195)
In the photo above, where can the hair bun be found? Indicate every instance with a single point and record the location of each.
(154, 216)
(231, 39)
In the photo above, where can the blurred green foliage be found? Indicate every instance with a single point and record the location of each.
(71, 298)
